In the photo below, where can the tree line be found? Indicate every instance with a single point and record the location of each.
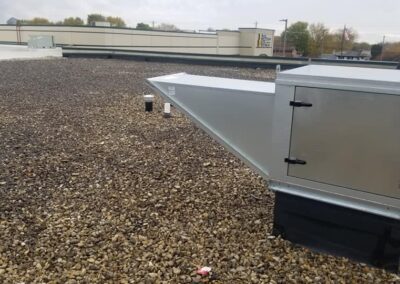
(389, 51)
(76, 21)
(316, 39)
(92, 18)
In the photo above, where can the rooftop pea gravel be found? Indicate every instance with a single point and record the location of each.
(95, 190)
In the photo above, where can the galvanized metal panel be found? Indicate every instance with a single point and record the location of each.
(348, 139)
(281, 182)
(345, 78)
(41, 41)
(317, 72)
(208, 100)
(237, 113)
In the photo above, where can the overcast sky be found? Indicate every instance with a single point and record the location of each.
(371, 18)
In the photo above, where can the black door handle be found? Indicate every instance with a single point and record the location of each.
(299, 104)
(295, 161)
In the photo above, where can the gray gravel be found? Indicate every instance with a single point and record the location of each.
(94, 190)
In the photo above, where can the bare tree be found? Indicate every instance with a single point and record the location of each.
(143, 26)
(319, 34)
(73, 21)
(35, 21)
(116, 22)
(167, 27)
(91, 18)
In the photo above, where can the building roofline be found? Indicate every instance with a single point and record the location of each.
(230, 31)
(135, 29)
(99, 27)
(256, 29)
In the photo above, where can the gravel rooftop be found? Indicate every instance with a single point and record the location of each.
(95, 190)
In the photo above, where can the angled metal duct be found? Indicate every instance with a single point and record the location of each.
(237, 113)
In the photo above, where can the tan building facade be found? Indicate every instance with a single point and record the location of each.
(247, 42)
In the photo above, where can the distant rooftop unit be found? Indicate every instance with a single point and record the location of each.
(41, 41)
(102, 24)
(349, 55)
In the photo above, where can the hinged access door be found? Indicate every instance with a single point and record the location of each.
(346, 138)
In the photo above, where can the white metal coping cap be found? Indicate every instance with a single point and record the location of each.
(148, 98)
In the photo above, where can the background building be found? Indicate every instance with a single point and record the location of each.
(245, 41)
(348, 55)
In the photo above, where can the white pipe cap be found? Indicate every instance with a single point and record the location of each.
(167, 108)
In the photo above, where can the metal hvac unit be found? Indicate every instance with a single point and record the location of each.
(328, 140)
(41, 41)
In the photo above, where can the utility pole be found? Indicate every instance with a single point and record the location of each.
(256, 23)
(285, 36)
(383, 47)
(322, 43)
(341, 46)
